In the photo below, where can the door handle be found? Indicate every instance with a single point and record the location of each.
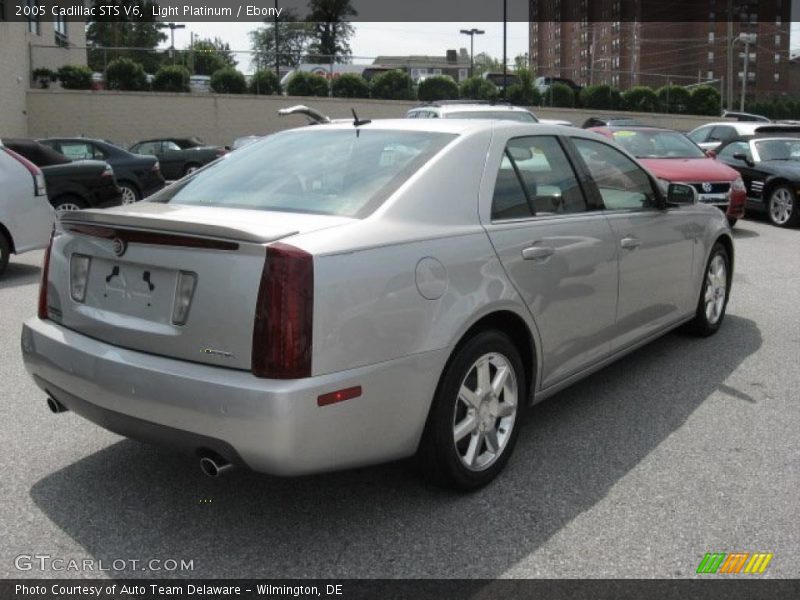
(630, 242)
(538, 252)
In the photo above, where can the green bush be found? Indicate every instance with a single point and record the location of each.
(265, 83)
(478, 88)
(640, 98)
(228, 81)
(172, 79)
(438, 87)
(44, 77)
(559, 94)
(307, 84)
(674, 99)
(523, 95)
(603, 97)
(393, 85)
(705, 100)
(350, 85)
(125, 75)
(75, 77)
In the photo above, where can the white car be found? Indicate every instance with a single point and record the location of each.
(476, 109)
(26, 217)
(713, 135)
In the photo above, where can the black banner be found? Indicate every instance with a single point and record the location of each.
(405, 10)
(390, 589)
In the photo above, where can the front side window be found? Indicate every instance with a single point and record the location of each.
(722, 133)
(169, 146)
(342, 172)
(657, 144)
(621, 182)
(736, 148)
(535, 179)
(151, 148)
(698, 136)
(80, 151)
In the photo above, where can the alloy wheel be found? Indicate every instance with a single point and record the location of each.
(781, 205)
(128, 194)
(486, 408)
(67, 207)
(716, 288)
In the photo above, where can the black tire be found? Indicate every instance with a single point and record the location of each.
(62, 201)
(135, 194)
(732, 221)
(5, 252)
(703, 324)
(777, 217)
(439, 457)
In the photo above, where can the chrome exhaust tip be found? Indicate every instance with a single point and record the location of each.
(214, 467)
(55, 406)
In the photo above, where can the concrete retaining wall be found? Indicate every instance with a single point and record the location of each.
(126, 117)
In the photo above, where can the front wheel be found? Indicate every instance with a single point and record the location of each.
(476, 414)
(5, 252)
(713, 294)
(782, 207)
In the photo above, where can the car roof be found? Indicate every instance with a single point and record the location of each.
(747, 127)
(456, 105)
(456, 126)
(642, 128)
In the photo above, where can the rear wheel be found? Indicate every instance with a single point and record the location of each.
(476, 414)
(5, 252)
(130, 193)
(782, 207)
(68, 203)
(713, 294)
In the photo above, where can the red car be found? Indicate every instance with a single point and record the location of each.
(673, 157)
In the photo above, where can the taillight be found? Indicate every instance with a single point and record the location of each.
(45, 276)
(39, 187)
(282, 332)
(108, 171)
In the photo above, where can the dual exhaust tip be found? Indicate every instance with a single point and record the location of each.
(211, 466)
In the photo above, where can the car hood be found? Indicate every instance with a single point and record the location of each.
(689, 169)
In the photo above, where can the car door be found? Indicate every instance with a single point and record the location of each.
(172, 159)
(558, 251)
(655, 245)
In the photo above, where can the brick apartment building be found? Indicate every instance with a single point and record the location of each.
(639, 42)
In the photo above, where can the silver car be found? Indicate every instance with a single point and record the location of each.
(348, 294)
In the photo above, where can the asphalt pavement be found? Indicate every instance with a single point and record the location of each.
(685, 447)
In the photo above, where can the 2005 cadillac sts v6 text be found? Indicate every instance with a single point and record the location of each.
(352, 293)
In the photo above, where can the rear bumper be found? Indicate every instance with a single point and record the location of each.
(272, 426)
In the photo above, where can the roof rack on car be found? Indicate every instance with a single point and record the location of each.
(314, 116)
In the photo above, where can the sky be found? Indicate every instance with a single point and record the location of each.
(390, 38)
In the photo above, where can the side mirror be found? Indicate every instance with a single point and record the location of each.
(520, 154)
(743, 157)
(711, 154)
(681, 194)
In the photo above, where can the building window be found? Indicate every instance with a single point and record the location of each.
(711, 57)
(777, 58)
(60, 28)
(2, 10)
(33, 22)
(710, 75)
(777, 40)
(710, 37)
(777, 77)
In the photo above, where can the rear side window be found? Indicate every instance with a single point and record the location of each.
(151, 148)
(343, 172)
(622, 183)
(722, 133)
(535, 179)
(699, 136)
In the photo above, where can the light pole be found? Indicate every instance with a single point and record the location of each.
(172, 28)
(472, 33)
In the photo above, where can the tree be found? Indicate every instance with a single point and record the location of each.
(559, 94)
(264, 83)
(294, 38)
(485, 63)
(137, 36)
(705, 100)
(393, 85)
(228, 81)
(211, 55)
(331, 31)
(601, 96)
(640, 98)
(172, 78)
(478, 88)
(674, 98)
(350, 85)
(303, 83)
(125, 74)
(523, 92)
(437, 88)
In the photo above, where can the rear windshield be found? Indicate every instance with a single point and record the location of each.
(335, 172)
(502, 115)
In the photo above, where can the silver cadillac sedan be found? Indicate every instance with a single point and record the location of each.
(352, 293)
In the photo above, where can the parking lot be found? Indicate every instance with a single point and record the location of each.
(685, 447)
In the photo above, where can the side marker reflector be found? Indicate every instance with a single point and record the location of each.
(339, 396)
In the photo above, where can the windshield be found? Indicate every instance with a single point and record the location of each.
(342, 172)
(788, 149)
(657, 144)
(501, 115)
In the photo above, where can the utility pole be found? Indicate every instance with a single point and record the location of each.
(172, 28)
(277, 56)
(746, 38)
(472, 33)
(729, 44)
(505, 57)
